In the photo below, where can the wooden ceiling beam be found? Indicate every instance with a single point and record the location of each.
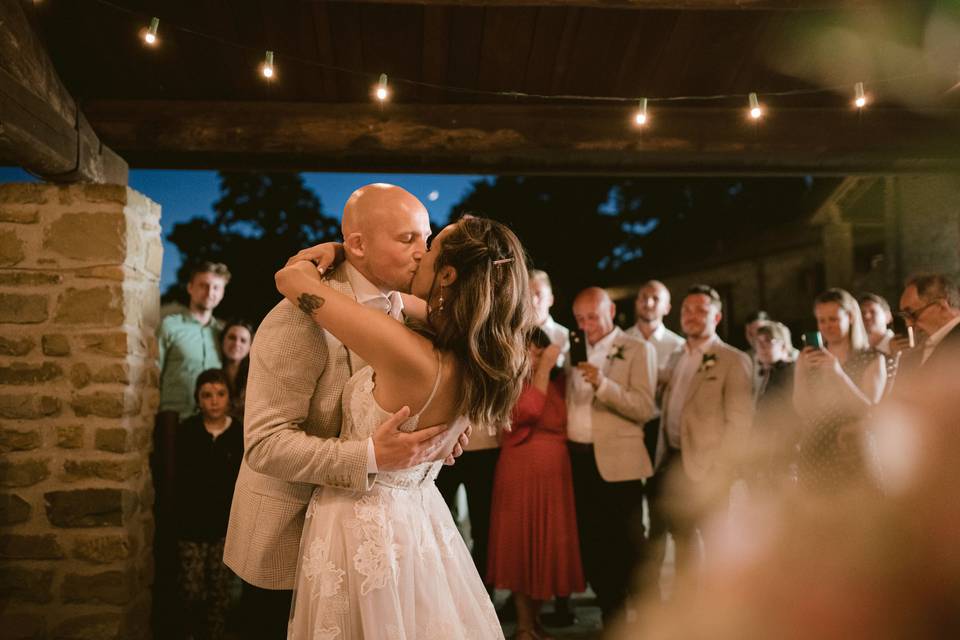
(695, 5)
(530, 139)
(41, 128)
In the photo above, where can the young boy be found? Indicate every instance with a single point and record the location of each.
(209, 448)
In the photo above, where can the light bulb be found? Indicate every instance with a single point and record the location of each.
(641, 116)
(149, 34)
(267, 67)
(756, 111)
(381, 92)
(861, 97)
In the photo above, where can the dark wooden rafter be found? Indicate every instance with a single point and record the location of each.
(548, 139)
(677, 5)
(41, 127)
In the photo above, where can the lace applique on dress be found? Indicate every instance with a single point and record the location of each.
(377, 558)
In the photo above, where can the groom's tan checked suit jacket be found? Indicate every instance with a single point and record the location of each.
(293, 414)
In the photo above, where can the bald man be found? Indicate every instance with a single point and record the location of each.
(609, 398)
(293, 415)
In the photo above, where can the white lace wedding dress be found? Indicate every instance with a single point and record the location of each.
(388, 563)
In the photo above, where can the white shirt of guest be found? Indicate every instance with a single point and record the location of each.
(663, 341)
(937, 337)
(686, 367)
(580, 401)
(373, 297)
(559, 335)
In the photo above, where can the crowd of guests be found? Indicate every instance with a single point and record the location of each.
(619, 439)
(674, 421)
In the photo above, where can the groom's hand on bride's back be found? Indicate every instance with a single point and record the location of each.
(395, 449)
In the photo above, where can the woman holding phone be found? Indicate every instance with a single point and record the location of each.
(836, 384)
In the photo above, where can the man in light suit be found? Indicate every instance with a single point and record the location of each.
(707, 408)
(609, 397)
(293, 407)
(931, 303)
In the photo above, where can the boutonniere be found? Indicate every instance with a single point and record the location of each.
(709, 362)
(616, 353)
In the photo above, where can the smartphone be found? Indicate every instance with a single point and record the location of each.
(812, 339)
(901, 329)
(578, 347)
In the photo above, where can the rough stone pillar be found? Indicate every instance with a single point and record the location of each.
(79, 272)
(929, 222)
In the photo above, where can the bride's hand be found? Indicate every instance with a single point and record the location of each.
(294, 278)
(325, 256)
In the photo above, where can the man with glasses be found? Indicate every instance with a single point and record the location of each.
(931, 303)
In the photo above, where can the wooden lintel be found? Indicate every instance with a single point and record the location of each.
(534, 139)
(677, 5)
(41, 128)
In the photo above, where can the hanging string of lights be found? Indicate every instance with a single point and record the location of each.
(382, 93)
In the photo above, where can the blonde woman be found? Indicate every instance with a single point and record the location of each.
(835, 386)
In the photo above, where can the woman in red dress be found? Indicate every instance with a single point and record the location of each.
(534, 550)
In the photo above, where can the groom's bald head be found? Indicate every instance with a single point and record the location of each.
(385, 230)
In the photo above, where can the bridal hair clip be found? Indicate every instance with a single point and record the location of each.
(502, 261)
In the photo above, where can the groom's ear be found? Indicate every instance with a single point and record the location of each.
(447, 276)
(354, 244)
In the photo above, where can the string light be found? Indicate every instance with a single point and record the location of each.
(267, 67)
(640, 118)
(861, 98)
(149, 34)
(382, 92)
(756, 111)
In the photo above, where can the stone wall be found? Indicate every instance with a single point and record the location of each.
(79, 273)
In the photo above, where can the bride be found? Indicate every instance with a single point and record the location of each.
(390, 563)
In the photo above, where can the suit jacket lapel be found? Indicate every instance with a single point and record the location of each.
(698, 376)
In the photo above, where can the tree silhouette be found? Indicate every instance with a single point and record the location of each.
(259, 221)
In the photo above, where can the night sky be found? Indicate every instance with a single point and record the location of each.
(187, 194)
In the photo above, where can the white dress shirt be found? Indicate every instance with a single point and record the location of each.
(579, 421)
(559, 335)
(663, 341)
(937, 337)
(687, 366)
(373, 297)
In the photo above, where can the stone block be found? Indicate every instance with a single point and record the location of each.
(19, 439)
(104, 549)
(11, 248)
(17, 308)
(28, 406)
(95, 626)
(23, 626)
(29, 279)
(55, 344)
(109, 344)
(88, 236)
(19, 215)
(70, 436)
(154, 260)
(19, 346)
(95, 192)
(116, 273)
(23, 473)
(118, 372)
(105, 469)
(90, 507)
(29, 585)
(80, 375)
(24, 193)
(98, 305)
(109, 587)
(114, 440)
(29, 547)
(20, 373)
(13, 509)
(106, 404)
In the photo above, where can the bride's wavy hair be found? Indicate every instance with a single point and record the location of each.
(486, 316)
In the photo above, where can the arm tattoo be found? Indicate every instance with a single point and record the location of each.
(310, 303)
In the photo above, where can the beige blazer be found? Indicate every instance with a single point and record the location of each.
(292, 420)
(622, 404)
(717, 413)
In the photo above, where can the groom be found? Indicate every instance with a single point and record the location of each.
(293, 410)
